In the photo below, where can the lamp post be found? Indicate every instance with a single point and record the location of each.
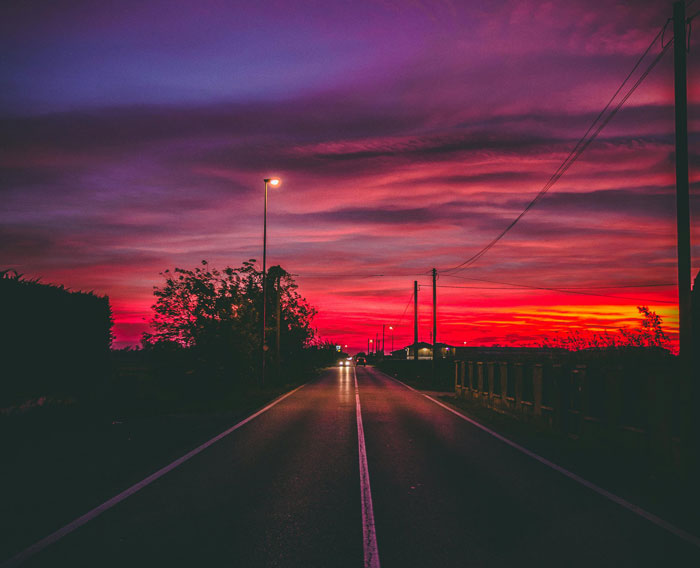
(391, 328)
(370, 347)
(273, 182)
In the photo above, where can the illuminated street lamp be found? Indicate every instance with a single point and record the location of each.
(369, 347)
(273, 182)
(391, 328)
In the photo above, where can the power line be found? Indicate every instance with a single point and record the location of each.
(578, 149)
(405, 310)
(357, 276)
(646, 285)
(564, 291)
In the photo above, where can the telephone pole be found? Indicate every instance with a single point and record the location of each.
(434, 323)
(682, 186)
(434, 311)
(415, 320)
(689, 391)
(383, 327)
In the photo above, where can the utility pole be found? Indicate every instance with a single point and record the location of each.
(434, 311)
(415, 320)
(434, 323)
(688, 389)
(383, 326)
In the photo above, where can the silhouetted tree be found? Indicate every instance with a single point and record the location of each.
(215, 315)
(650, 332)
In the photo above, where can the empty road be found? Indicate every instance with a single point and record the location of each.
(356, 469)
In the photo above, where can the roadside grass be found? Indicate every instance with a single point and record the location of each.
(60, 459)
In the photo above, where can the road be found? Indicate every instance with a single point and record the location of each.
(286, 489)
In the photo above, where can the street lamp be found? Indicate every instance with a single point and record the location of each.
(273, 182)
(370, 347)
(391, 328)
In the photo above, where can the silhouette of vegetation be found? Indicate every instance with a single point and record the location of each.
(56, 342)
(206, 335)
(649, 336)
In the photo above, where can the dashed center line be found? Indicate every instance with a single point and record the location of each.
(369, 534)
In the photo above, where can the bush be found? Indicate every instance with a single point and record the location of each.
(56, 342)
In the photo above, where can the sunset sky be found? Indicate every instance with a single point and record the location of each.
(135, 137)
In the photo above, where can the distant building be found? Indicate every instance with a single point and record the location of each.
(398, 354)
(425, 351)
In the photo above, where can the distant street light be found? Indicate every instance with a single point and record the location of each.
(369, 347)
(391, 328)
(273, 182)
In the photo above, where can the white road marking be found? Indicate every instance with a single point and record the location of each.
(369, 534)
(592, 486)
(90, 515)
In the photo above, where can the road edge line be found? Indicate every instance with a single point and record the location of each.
(93, 513)
(369, 532)
(637, 510)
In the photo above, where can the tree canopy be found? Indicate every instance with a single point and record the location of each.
(217, 314)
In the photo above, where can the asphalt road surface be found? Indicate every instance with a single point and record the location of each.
(306, 484)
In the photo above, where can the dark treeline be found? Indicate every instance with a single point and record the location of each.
(205, 347)
(204, 351)
(55, 342)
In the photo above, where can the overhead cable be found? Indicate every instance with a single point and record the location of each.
(405, 310)
(614, 286)
(566, 291)
(583, 143)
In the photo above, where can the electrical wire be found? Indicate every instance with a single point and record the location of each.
(646, 285)
(336, 275)
(578, 149)
(404, 310)
(573, 155)
(564, 291)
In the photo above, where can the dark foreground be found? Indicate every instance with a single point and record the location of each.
(284, 490)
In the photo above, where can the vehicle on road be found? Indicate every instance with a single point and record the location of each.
(361, 361)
